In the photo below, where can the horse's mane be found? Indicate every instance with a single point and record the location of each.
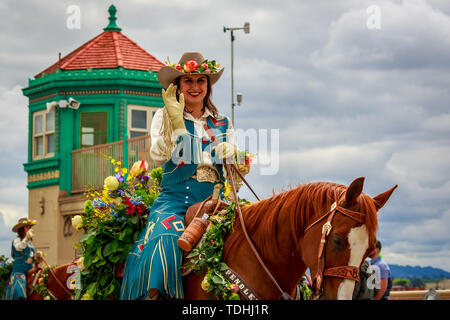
(302, 204)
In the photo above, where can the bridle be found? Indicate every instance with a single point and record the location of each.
(345, 272)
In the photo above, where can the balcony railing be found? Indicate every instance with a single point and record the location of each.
(90, 166)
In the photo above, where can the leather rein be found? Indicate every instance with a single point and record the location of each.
(228, 166)
(345, 272)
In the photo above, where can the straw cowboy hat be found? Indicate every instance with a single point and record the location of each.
(23, 222)
(190, 63)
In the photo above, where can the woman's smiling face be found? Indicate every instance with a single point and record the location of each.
(194, 88)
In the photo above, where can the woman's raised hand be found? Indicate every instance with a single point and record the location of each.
(174, 108)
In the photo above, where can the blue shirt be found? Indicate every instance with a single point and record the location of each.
(384, 272)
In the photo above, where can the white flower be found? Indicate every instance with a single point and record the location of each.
(77, 222)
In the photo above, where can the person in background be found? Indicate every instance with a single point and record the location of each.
(22, 251)
(383, 273)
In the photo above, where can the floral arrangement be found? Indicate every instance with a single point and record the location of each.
(207, 256)
(41, 284)
(191, 66)
(112, 221)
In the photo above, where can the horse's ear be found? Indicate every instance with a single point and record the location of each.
(382, 198)
(354, 190)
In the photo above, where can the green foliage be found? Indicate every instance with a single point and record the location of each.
(112, 222)
(5, 271)
(305, 291)
(157, 175)
(401, 282)
(209, 254)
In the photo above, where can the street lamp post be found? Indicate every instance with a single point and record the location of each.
(246, 29)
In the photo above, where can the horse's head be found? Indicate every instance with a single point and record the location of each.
(343, 236)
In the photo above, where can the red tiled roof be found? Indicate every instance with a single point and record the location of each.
(110, 49)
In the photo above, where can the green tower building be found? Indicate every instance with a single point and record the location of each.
(96, 101)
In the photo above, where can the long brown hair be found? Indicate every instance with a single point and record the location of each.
(207, 102)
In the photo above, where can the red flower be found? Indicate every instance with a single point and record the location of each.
(190, 66)
(132, 208)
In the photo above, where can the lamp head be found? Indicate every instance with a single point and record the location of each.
(247, 27)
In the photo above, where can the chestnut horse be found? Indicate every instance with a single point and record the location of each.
(286, 230)
(58, 284)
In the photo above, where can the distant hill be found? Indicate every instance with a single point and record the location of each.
(418, 272)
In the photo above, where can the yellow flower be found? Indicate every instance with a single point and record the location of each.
(139, 167)
(77, 222)
(117, 201)
(80, 263)
(87, 296)
(111, 183)
(227, 190)
(119, 163)
(205, 283)
(124, 171)
(116, 169)
(47, 298)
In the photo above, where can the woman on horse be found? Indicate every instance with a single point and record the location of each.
(22, 251)
(191, 140)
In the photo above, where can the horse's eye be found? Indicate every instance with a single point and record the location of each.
(338, 242)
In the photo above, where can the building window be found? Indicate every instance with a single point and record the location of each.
(140, 120)
(43, 134)
(93, 128)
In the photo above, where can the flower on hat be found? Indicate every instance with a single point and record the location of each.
(29, 223)
(191, 66)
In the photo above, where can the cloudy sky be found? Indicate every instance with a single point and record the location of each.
(348, 95)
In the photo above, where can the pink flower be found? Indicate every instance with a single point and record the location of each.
(208, 71)
(190, 66)
(205, 66)
(177, 66)
(234, 287)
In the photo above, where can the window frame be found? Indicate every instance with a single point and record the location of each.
(150, 112)
(44, 134)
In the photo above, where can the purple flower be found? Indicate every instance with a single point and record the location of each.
(119, 177)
